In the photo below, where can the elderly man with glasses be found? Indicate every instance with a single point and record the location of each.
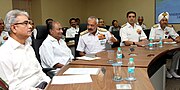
(19, 66)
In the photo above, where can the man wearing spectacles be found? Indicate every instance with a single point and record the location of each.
(132, 34)
(54, 52)
(19, 66)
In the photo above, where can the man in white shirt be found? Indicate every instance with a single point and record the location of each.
(70, 33)
(3, 35)
(132, 34)
(168, 34)
(94, 39)
(54, 52)
(19, 66)
(140, 22)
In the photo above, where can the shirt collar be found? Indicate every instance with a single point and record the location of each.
(129, 25)
(16, 44)
(97, 32)
(52, 38)
(159, 27)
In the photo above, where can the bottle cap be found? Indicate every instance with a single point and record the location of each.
(131, 59)
(119, 48)
(150, 39)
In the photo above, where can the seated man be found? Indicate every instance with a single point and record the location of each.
(70, 33)
(94, 39)
(140, 22)
(132, 34)
(54, 52)
(115, 26)
(19, 67)
(3, 35)
(168, 34)
(115, 29)
(101, 24)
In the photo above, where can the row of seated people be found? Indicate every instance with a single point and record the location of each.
(42, 33)
(18, 39)
(90, 27)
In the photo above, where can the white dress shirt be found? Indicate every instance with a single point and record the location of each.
(70, 33)
(52, 52)
(2, 35)
(19, 66)
(91, 44)
(157, 32)
(142, 25)
(129, 33)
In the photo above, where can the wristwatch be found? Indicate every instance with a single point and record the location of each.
(134, 43)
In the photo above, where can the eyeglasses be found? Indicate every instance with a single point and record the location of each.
(131, 16)
(1, 23)
(25, 23)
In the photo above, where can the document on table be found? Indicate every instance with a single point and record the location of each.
(71, 79)
(88, 58)
(169, 42)
(123, 86)
(92, 71)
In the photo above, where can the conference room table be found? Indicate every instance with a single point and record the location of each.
(146, 62)
(105, 81)
(143, 57)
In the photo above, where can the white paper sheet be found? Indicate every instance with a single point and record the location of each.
(71, 79)
(88, 58)
(123, 86)
(92, 71)
(169, 42)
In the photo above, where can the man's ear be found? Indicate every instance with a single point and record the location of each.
(13, 28)
(50, 31)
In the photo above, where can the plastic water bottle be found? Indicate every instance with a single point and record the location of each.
(151, 44)
(131, 70)
(119, 56)
(160, 42)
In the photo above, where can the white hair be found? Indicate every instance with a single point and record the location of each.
(93, 17)
(11, 18)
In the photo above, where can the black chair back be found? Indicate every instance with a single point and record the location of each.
(3, 85)
(178, 33)
(147, 32)
(42, 33)
(82, 27)
(117, 36)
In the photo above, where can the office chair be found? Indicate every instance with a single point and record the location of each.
(42, 33)
(116, 35)
(64, 30)
(147, 32)
(3, 85)
(82, 27)
(178, 33)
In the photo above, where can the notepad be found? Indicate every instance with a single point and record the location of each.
(123, 86)
(71, 79)
(92, 71)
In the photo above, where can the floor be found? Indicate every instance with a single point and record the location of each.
(173, 84)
